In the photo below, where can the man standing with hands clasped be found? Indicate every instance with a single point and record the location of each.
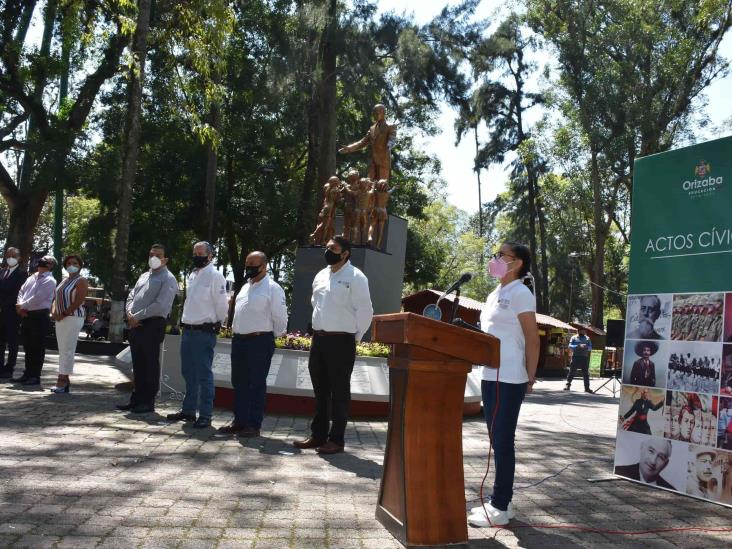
(12, 277)
(581, 346)
(260, 315)
(342, 313)
(204, 311)
(148, 307)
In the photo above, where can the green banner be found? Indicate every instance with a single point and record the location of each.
(675, 413)
(681, 224)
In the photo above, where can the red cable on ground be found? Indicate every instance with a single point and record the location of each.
(570, 526)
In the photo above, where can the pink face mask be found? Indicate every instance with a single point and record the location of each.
(498, 268)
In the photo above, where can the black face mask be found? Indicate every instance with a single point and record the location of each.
(200, 261)
(331, 258)
(252, 271)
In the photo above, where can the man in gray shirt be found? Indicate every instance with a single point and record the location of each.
(148, 307)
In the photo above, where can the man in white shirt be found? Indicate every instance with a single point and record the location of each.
(204, 311)
(342, 313)
(260, 315)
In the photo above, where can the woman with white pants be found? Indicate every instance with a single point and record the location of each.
(69, 313)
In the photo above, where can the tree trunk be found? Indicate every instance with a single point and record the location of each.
(544, 267)
(210, 184)
(24, 213)
(305, 216)
(130, 149)
(327, 101)
(532, 241)
(597, 274)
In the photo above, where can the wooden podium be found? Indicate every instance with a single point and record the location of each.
(422, 494)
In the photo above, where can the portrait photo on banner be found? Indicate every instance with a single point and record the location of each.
(645, 363)
(641, 410)
(697, 317)
(652, 460)
(694, 366)
(728, 318)
(725, 381)
(709, 474)
(649, 316)
(691, 417)
(724, 423)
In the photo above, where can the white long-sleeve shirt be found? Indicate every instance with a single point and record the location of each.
(341, 301)
(260, 307)
(206, 299)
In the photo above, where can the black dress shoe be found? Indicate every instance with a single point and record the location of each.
(231, 429)
(202, 423)
(249, 432)
(32, 381)
(181, 416)
(20, 379)
(6, 374)
(142, 409)
(124, 407)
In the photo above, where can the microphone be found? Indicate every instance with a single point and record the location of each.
(465, 277)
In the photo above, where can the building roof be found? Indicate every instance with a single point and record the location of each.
(468, 303)
(590, 329)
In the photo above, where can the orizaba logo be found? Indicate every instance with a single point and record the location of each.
(704, 182)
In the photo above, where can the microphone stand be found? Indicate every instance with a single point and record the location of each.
(455, 305)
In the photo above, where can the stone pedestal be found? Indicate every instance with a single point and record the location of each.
(384, 269)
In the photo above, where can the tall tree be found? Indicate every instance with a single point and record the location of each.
(31, 121)
(130, 152)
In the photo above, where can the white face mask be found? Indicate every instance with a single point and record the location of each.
(72, 269)
(11, 261)
(154, 262)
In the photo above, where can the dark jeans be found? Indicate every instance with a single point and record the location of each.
(196, 360)
(250, 361)
(581, 363)
(35, 328)
(145, 341)
(331, 364)
(510, 396)
(9, 336)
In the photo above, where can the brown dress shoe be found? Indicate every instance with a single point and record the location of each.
(329, 447)
(309, 442)
(248, 432)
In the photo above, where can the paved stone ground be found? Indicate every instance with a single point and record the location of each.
(75, 473)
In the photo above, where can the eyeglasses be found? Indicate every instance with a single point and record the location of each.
(499, 255)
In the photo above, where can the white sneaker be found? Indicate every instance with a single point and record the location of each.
(511, 511)
(495, 517)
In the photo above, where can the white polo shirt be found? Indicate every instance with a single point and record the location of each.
(341, 301)
(499, 318)
(206, 299)
(260, 307)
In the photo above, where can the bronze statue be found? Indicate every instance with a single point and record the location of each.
(325, 229)
(380, 195)
(381, 137)
(362, 197)
(349, 203)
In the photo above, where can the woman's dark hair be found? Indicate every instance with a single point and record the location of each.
(73, 256)
(524, 254)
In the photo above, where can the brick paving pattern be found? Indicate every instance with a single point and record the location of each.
(76, 473)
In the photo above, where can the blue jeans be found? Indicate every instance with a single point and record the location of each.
(510, 397)
(250, 361)
(196, 357)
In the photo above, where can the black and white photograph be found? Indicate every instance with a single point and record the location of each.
(652, 460)
(709, 474)
(649, 316)
(694, 367)
(690, 417)
(645, 363)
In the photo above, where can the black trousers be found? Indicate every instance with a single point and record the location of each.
(331, 364)
(35, 328)
(9, 338)
(579, 363)
(145, 341)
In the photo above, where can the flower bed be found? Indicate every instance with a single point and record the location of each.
(301, 342)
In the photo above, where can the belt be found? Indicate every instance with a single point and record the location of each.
(250, 335)
(641, 417)
(39, 312)
(205, 327)
(324, 333)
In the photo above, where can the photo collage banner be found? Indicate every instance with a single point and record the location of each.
(675, 415)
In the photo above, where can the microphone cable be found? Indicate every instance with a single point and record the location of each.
(575, 527)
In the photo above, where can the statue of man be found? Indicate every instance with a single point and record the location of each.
(349, 204)
(380, 195)
(325, 229)
(381, 136)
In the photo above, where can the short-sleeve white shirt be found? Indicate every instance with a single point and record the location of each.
(499, 318)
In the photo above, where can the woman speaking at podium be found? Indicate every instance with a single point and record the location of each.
(509, 315)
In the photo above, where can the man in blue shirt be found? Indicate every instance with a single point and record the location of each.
(581, 346)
